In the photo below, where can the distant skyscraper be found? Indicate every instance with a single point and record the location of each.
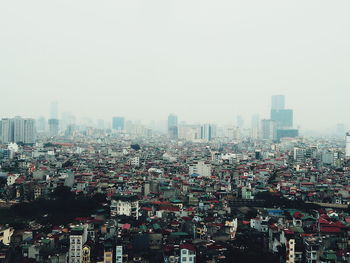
(66, 120)
(18, 130)
(208, 132)
(172, 126)
(29, 131)
(282, 117)
(347, 149)
(7, 130)
(268, 130)
(255, 126)
(54, 110)
(41, 124)
(190, 132)
(53, 127)
(118, 123)
(277, 102)
(69, 130)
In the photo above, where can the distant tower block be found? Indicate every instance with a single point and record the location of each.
(347, 148)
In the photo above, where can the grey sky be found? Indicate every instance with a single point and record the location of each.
(203, 60)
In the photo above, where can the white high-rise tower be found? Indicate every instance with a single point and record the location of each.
(347, 147)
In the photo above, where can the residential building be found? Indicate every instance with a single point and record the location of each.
(53, 127)
(187, 253)
(7, 130)
(77, 239)
(201, 168)
(299, 154)
(18, 130)
(6, 233)
(119, 254)
(125, 205)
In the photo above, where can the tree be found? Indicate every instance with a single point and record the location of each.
(62, 192)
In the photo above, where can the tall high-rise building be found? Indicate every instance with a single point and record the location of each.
(232, 133)
(54, 127)
(29, 131)
(190, 132)
(66, 120)
(268, 130)
(281, 116)
(69, 131)
(18, 130)
(118, 123)
(6, 130)
(172, 126)
(277, 102)
(208, 132)
(347, 149)
(41, 124)
(255, 127)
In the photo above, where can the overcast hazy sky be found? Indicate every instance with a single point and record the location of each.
(203, 60)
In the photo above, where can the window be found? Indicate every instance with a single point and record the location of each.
(184, 259)
(184, 252)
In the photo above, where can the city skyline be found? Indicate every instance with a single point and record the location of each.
(278, 113)
(205, 61)
(175, 131)
(221, 119)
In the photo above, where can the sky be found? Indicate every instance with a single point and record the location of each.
(206, 61)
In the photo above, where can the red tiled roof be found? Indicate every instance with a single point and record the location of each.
(187, 246)
(170, 208)
(330, 229)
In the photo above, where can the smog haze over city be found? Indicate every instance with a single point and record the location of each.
(174, 131)
(205, 61)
